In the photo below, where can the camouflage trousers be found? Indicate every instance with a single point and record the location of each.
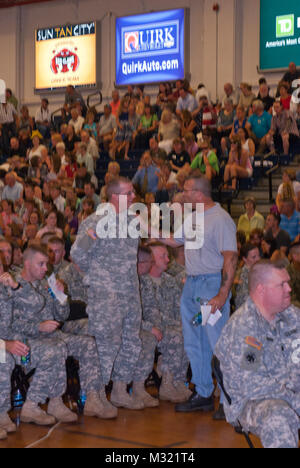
(275, 422)
(174, 358)
(48, 358)
(116, 327)
(84, 350)
(6, 369)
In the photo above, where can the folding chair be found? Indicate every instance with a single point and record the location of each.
(219, 378)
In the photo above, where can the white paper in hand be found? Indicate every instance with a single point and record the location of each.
(60, 296)
(214, 318)
(205, 311)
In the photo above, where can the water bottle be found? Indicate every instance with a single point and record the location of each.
(18, 402)
(81, 401)
(25, 360)
(197, 319)
(51, 293)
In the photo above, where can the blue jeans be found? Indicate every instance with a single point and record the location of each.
(199, 342)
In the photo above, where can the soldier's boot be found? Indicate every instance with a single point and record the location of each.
(32, 413)
(94, 407)
(111, 409)
(140, 392)
(60, 412)
(3, 434)
(182, 390)
(7, 424)
(167, 391)
(121, 398)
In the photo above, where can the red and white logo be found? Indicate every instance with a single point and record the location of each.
(64, 61)
(131, 42)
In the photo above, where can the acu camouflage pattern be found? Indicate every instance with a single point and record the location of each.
(33, 304)
(161, 309)
(263, 380)
(114, 308)
(47, 358)
(242, 289)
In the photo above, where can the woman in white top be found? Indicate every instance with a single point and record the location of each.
(51, 226)
(36, 138)
(239, 165)
(168, 130)
(247, 143)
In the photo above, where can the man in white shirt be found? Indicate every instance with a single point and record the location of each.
(58, 200)
(43, 118)
(91, 144)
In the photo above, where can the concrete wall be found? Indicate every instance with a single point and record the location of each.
(229, 52)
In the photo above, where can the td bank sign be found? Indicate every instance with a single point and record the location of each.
(285, 25)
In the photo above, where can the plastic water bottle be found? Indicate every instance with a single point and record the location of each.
(81, 401)
(25, 360)
(18, 402)
(51, 293)
(197, 319)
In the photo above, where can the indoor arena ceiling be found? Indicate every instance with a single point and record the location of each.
(12, 3)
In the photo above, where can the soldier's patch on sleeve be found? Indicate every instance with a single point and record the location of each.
(251, 359)
(253, 342)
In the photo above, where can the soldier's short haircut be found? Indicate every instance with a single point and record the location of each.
(113, 187)
(262, 271)
(34, 249)
(56, 240)
(246, 249)
(201, 184)
(143, 252)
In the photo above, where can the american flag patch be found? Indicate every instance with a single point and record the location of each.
(250, 341)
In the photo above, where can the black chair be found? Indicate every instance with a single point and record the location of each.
(219, 378)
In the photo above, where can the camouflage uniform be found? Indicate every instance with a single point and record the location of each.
(114, 308)
(261, 368)
(76, 291)
(33, 304)
(161, 309)
(295, 284)
(242, 290)
(46, 357)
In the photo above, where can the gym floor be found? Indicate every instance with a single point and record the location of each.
(151, 428)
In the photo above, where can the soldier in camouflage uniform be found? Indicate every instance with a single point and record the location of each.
(294, 272)
(38, 316)
(250, 255)
(69, 274)
(114, 307)
(259, 353)
(161, 326)
(48, 360)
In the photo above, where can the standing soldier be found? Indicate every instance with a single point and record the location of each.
(114, 306)
(259, 353)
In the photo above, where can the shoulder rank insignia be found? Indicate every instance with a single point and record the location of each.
(253, 342)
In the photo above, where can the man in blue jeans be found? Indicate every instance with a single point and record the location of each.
(210, 272)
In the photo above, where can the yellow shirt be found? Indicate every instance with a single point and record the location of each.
(246, 225)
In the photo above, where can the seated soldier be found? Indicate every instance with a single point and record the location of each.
(162, 328)
(48, 360)
(259, 356)
(38, 315)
